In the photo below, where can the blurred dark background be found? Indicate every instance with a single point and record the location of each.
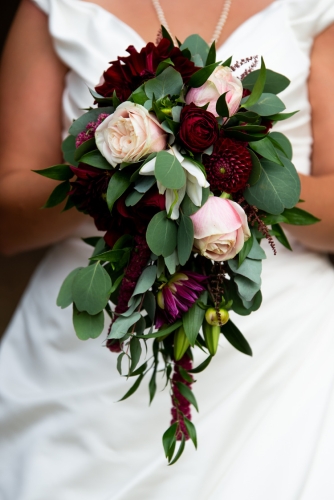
(15, 271)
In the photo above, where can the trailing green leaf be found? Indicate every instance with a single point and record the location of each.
(133, 389)
(87, 326)
(235, 337)
(90, 289)
(187, 393)
(65, 297)
(58, 195)
(57, 172)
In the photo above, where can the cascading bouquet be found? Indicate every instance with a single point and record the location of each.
(178, 166)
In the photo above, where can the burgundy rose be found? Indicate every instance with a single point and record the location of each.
(198, 129)
(127, 73)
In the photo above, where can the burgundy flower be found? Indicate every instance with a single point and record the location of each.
(133, 220)
(229, 166)
(127, 73)
(198, 129)
(178, 295)
(88, 192)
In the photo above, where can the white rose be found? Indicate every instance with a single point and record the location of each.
(130, 133)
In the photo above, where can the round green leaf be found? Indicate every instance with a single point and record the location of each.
(87, 326)
(161, 234)
(169, 171)
(65, 297)
(90, 289)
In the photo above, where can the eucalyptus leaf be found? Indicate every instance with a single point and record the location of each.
(256, 251)
(256, 168)
(245, 250)
(267, 104)
(169, 82)
(169, 171)
(133, 198)
(185, 238)
(283, 142)
(138, 96)
(145, 281)
(196, 45)
(87, 326)
(161, 235)
(65, 297)
(122, 324)
(90, 289)
(266, 149)
(144, 183)
(246, 287)
(250, 269)
(172, 262)
(274, 84)
(277, 188)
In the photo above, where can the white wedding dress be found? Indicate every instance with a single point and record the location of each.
(266, 423)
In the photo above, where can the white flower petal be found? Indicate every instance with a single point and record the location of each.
(148, 168)
(195, 172)
(194, 191)
(170, 199)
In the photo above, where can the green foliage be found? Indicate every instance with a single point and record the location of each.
(149, 304)
(258, 86)
(117, 186)
(68, 148)
(256, 169)
(282, 142)
(281, 236)
(172, 262)
(91, 116)
(84, 148)
(202, 366)
(95, 159)
(162, 332)
(138, 96)
(161, 235)
(185, 238)
(57, 172)
(266, 149)
(58, 195)
(245, 250)
(281, 116)
(91, 288)
(122, 324)
(187, 393)
(246, 287)
(135, 352)
(274, 83)
(146, 280)
(211, 59)
(165, 34)
(169, 171)
(250, 269)
(276, 189)
(196, 45)
(168, 438)
(256, 251)
(235, 337)
(65, 296)
(191, 430)
(193, 319)
(87, 326)
(201, 76)
(132, 199)
(221, 106)
(267, 104)
(144, 183)
(133, 389)
(169, 82)
(298, 217)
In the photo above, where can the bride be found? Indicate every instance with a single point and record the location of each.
(266, 427)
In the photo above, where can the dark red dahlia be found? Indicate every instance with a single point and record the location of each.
(229, 166)
(88, 192)
(128, 73)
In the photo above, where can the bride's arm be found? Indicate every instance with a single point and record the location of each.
(318, 189)
(32, 81)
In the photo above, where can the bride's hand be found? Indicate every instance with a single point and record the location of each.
(32, 82)
(318, 189)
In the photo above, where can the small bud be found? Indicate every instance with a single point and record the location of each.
(216, 318)
(160, 300)
(211, 336)
(181, 343)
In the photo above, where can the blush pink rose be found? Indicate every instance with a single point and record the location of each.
(219, 82)
(220, 229)
(130, 133)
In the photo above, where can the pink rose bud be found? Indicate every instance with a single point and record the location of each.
(219, 82)
(220, 229)
(130, 133)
